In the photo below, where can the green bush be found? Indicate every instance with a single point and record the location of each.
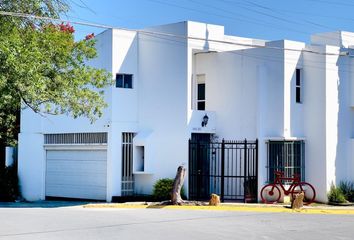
(162, 189)
(336, 195)
(9, 190)
(347, 188)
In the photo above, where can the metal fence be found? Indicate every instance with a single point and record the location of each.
(226, 168)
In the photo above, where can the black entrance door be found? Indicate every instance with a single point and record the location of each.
(200, 166)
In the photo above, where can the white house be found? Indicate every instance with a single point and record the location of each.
(187, 80)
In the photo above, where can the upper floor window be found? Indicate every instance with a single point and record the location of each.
(298, 94)
(124, 80)
(201, 92)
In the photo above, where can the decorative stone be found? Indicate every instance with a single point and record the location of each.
(298, 201)
(214, 200)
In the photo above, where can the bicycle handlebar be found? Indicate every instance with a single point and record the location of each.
(281, 174)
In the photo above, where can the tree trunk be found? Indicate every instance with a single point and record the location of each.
(176, 198)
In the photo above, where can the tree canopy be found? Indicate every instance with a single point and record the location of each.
(42, 67)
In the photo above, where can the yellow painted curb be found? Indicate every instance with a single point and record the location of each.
(239, 208)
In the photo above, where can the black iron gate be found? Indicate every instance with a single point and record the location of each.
(226, 168)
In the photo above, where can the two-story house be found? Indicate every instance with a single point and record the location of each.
(189, 80)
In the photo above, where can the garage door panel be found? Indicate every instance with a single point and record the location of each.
(87, 155)
(80, 192)
(79, 179)
(76, 167)
(76, 174)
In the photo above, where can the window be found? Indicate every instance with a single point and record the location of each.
(127, 163)
(201, 92)
(124, 80)
(201, 96)
(287, 157)
(139, 164)
(298, 94)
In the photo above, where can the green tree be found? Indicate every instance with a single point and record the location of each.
(43, 68)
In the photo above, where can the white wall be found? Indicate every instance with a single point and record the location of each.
(293, 112)
(314, 78)
(162, 105)
(124, 103)
(31, 166)
(343, 148)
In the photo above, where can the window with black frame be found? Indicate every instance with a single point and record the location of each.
(287, 157)
(124, 80)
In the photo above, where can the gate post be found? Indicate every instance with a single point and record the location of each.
(256, 170)
(189, 169)
(222, 170)
(245, 179)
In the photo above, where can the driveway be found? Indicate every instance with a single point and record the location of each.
(72, 221)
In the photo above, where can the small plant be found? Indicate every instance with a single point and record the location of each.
(162, 189)
(9, 190)
(336, 195)
(347, 188)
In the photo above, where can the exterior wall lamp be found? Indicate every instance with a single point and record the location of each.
(205, 120)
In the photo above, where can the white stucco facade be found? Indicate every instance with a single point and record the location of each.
(250, 88)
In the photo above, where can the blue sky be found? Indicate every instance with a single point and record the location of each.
(263, 19)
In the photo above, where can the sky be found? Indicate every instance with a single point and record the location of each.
(261, 19)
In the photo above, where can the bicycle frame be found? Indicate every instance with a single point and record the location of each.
(279, 177)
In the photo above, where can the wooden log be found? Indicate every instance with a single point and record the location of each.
(176, 198)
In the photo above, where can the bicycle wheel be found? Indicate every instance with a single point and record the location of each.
(308, 189)
(270, 193)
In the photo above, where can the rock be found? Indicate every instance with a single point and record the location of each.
(214, 200)
(297, 202)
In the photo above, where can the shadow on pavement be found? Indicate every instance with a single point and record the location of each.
(44, 204)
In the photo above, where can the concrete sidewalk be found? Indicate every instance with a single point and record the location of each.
(242, 207)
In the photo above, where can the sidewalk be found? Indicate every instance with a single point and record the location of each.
(241, 207)
(254, 207)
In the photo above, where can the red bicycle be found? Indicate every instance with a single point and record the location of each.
(271, 193)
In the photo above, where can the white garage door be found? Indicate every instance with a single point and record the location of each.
(76, 174)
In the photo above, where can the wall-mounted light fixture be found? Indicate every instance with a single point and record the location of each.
(205, 120)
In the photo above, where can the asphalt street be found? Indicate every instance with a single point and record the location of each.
(76, 222)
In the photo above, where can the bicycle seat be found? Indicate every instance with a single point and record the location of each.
(296, 175)
(278, 173)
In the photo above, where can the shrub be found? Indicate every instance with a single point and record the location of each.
(162, 189)
(9, 190)
(347, 188)
(335, 195)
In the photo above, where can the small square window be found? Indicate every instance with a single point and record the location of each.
(201, 105)
(298, 94)
(124, 80)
